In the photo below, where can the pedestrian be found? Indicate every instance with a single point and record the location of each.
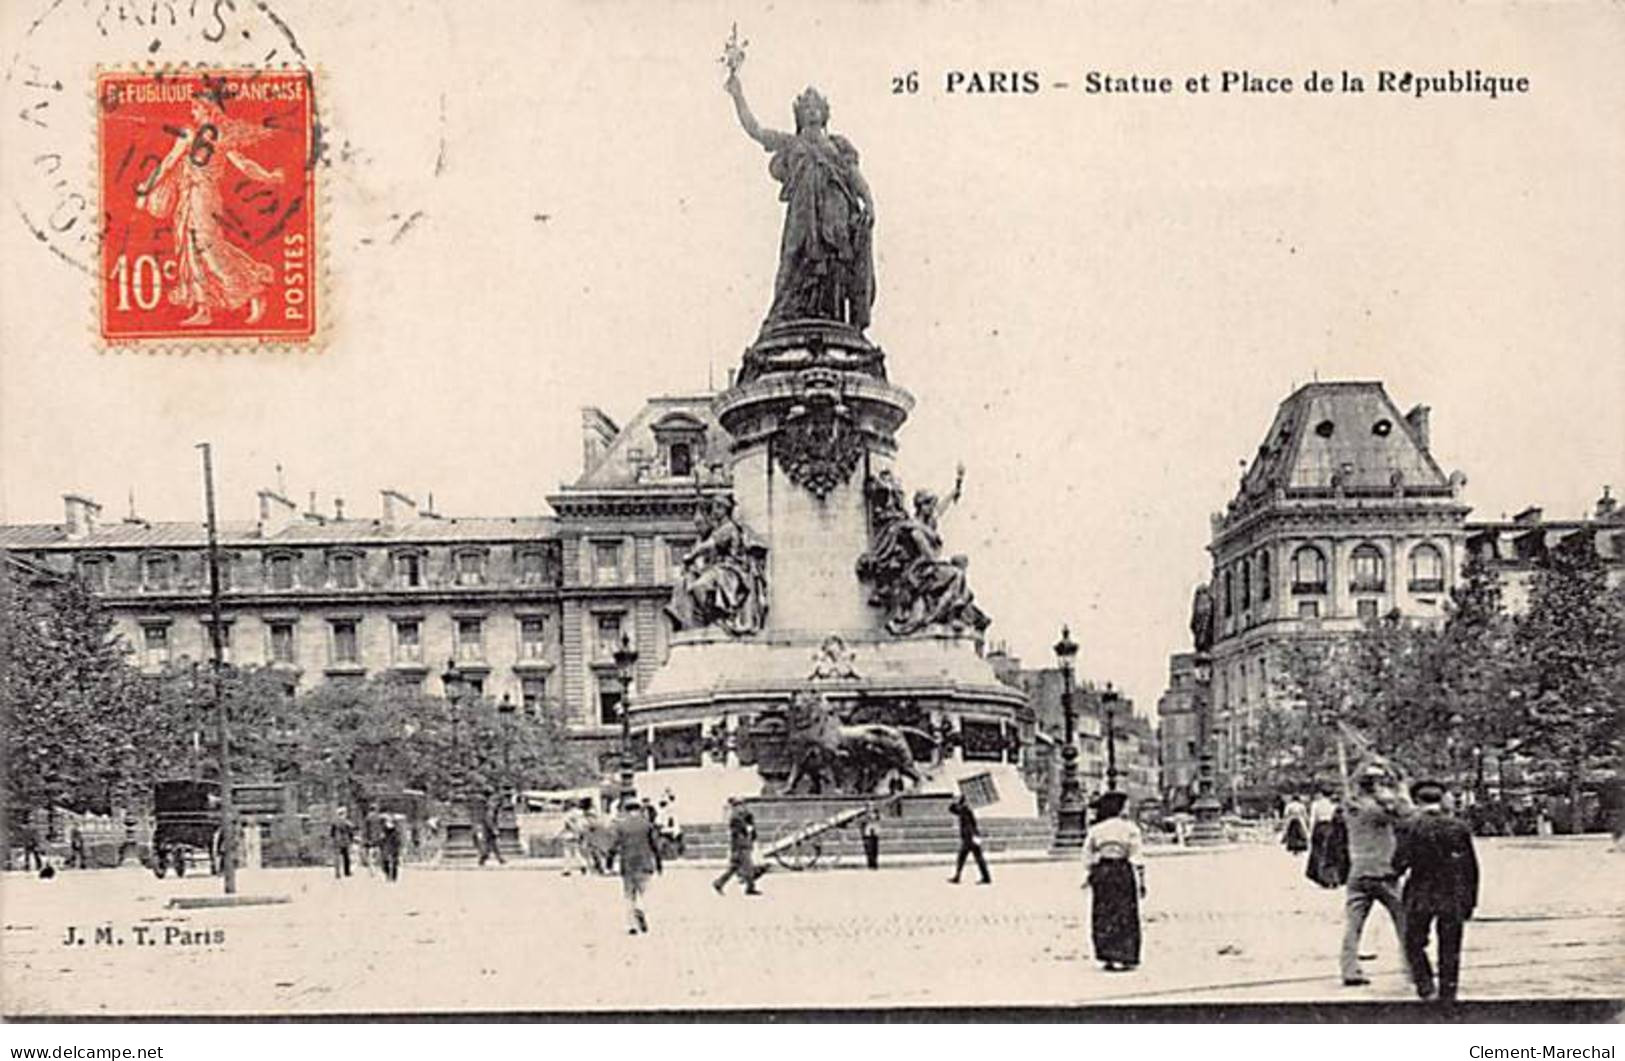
(1116, 877)
(489, 830)
(33, 849)
(671, 830)
(1296, 834)
(637, 850)
(372, 829)
(1328, 864)
(1371, 815)
(76, 849)
(871, 839)
(1435, 852)
(741, 848)
(970, 840)
(342, 834)
(389, 848)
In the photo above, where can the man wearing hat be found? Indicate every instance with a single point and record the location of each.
(1436, 851)
(741, 847)
(637, 852)
(1372, 811)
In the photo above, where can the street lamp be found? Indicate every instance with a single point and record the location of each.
(452, 683)
(626, 658)
(1108, 704)
(1206, 829)
(505, 711)
(1069, 813)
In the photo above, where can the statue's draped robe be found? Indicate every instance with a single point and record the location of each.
(826, 264)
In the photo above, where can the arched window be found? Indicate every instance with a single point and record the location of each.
(1427, 569)
(1264, 576)
(1366, 569)
(1308, 570)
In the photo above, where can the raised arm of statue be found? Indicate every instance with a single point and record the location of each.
(954, 494)
(771, 139)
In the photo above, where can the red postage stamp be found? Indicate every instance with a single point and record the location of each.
(208, 206)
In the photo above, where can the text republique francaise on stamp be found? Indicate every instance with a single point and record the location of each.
(208, 205)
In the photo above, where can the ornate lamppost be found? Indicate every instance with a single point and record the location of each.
(626, 658)
(1069, 812)
(1206, 829)
(1108, 705)
(459, 827)
(505, 711)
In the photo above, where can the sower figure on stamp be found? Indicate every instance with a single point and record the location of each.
(970, 841)
(1373, 811)
(1435, 852)
(637, 852)
(741, 844)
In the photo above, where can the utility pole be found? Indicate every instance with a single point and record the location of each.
(228, 812)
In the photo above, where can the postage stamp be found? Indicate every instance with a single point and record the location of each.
(208, 206)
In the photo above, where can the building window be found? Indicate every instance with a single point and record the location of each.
(93, 572)
(346, 645)
(609, 702)
(408, 641)
(1246, 585)
(1264, 576)
(532, 639)
(279, 572)
(1309, 609)
(225, 640)
(283, 649)
(343, 570)
(1229, 593)
(409, 570)
(471, 640)
(223, 566)
(470, 568)
(1308, 570)
(1365, 569)
(608, 636)
(533, 694)
(474, 685)
(532, 567)
(682, 459)
(155, 645)
(1427, 569)
(676, 549)
(1366, 609)
(606, 563)
(158, 573)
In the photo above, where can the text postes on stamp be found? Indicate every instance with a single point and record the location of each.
(208, 206)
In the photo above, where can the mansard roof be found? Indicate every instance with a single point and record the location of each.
(1346, 434)
(630, 458)
(303, 532)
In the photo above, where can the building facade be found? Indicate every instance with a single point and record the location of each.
(1178, 733)
(528, 609)
(1344, 516)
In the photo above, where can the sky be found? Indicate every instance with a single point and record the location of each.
(1097, 300)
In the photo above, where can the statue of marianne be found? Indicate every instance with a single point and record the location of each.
(826, 261)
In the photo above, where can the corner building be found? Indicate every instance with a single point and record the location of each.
(1343, 516)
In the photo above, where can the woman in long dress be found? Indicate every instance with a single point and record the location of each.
(1116, 869)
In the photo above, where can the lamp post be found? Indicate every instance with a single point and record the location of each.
(1069, 824)
(626, 658)
(505, 711)
(452, 682)
(1206, 829)
(1108, 705)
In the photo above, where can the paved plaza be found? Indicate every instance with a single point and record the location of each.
(1239, 924)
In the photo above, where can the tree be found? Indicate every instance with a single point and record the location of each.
(1571, 662)
(73, 708)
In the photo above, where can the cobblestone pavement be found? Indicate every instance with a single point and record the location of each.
(1230, 925)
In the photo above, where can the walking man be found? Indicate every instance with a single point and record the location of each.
(1436, 850)
(871, 839)
(637, 851)
(389, 848)
(1371, 816)
(342, 833)
(970, 840)
(741, 845)
(489, 831)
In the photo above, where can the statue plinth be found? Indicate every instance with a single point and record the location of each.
(790, 346)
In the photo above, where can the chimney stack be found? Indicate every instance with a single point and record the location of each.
(597, 435)
(276, 512)
(1418, 419)
(81, 514)
(338, 508)
(310, 511)
(1607, 505)
(399, 509)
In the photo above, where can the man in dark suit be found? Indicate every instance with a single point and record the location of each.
(637, 852)
(741, 848)
(1435, 851)
(970, 840)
